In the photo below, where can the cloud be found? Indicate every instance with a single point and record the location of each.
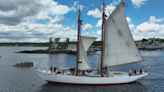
(128, 20)
(58, 19)
(149, 29)
(131, 26)
(138, 3)
(109, 9)
(99, 23)
(154, 20)
(13, 13)
(75, 3)
(99, 32)
(116, 2)
(81, 7)
(96, 13)
(34, 32)
(87, 27)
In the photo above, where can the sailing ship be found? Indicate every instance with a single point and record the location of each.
(118, 48)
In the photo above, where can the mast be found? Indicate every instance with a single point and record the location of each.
(78, 41)
(102, 38)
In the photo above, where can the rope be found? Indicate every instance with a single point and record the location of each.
(86, 22)
(69, 25)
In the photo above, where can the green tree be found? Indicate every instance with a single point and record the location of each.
(57, 40)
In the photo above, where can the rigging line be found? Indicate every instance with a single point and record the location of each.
(69, 25)
(73, 32)
(86, 22)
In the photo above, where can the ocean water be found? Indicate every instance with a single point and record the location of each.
(25, 79)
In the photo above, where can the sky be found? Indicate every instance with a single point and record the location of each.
(38, 20)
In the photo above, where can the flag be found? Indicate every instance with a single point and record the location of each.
(81, 23)
(124, 5)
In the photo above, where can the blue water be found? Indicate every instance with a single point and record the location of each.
(25, 79)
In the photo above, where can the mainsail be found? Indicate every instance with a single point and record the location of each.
(85, 43)
(119, 46)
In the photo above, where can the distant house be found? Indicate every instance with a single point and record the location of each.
(161, 45)
(156, 42)
(146, 42)
(139, 44)
(72, 47)
(152, 47)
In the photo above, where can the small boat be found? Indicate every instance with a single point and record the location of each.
(118, 48)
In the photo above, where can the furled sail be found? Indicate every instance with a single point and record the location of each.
(85, 43)
(119, 46)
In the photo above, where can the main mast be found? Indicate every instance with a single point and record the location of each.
(102, 38)
(78, 41)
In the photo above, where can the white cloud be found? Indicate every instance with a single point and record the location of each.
(154, 20)
(109, 9)
(98, 14)
(116, 2)
(13, 13)
(99, 23)
(148, 30)
(128, 20)
(33, 32)
(58, 19)
(131, 26)
(95, 13)
(53, 8)
(87, 32)
(42, 16)
(99, 32)
(148, 27)
(87, 27)
(81, 7)
(138, 3)
(20, 20)
(75, 3)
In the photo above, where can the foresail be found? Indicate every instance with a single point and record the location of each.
(85, 43)
(119, 46)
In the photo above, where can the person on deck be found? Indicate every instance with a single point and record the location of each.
(51, 69)
(140, 71)
(134, 71)
(55, 69)
(130, 73)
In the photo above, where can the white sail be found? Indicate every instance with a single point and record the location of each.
(85, 43)
(119, 46)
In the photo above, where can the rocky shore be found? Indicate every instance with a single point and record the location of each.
(43, 51)
(23, 64)
(56, 51)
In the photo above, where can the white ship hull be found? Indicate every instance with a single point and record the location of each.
(86, 80)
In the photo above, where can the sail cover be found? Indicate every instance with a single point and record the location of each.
(85, 43)
(119, 46)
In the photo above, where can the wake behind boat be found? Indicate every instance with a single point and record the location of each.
(118, 48)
